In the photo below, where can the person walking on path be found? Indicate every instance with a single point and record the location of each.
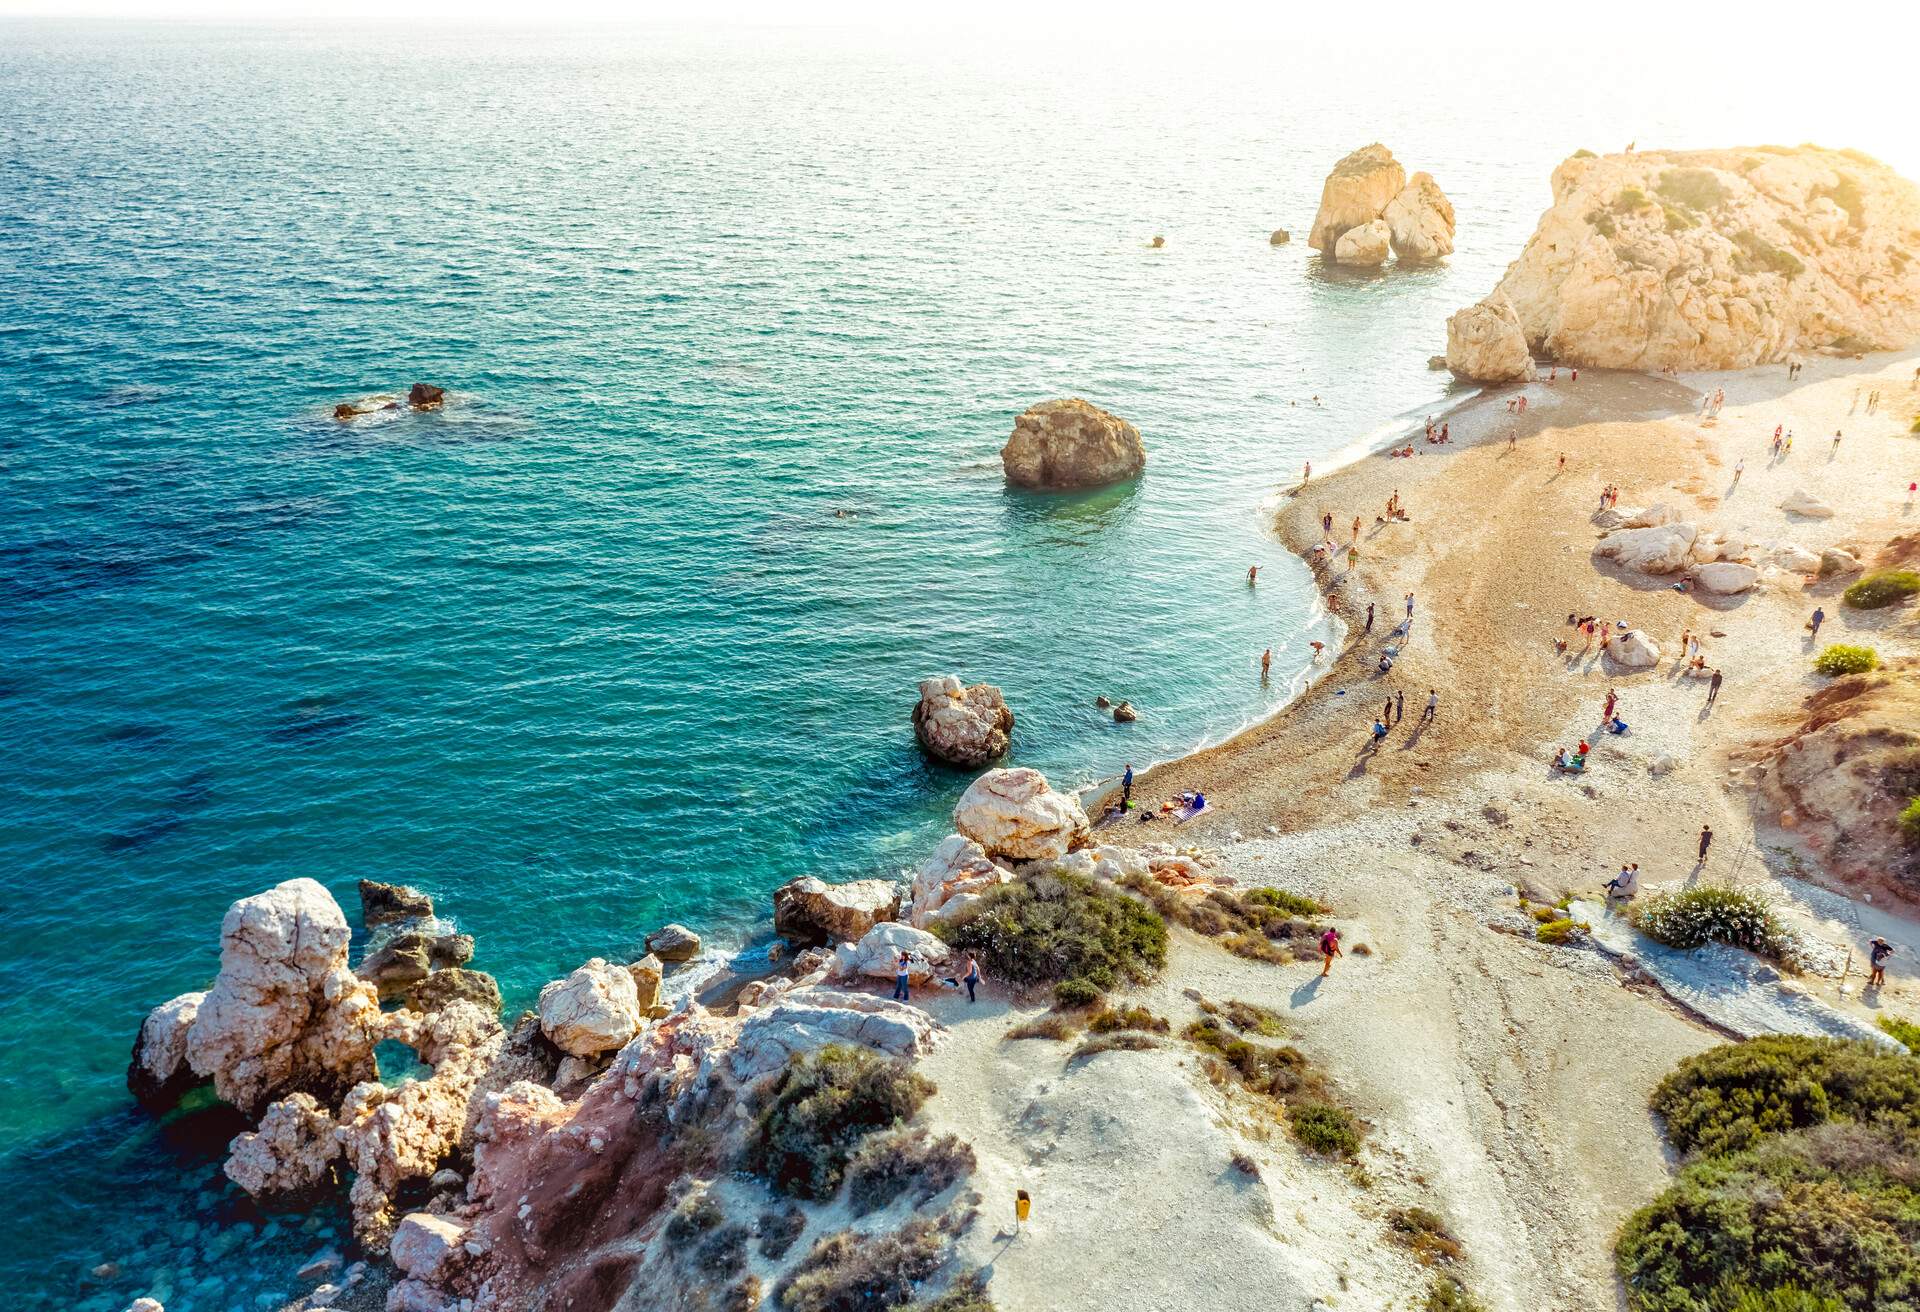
(1819, 618)
(1329, 949)
(1326, 522)
(1563, 463)
(1433, 706)
(1606, 712)
(902, 978)
(1713, 688)
(971, 976)
(1379, 732)
(1409, 605)
(1399, 705)
(1356, 528)
(1836, 446)
(1706, 841)
(1126, 788)
(1877, 953)
(1369, 617)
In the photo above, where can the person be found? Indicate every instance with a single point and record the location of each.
(1836, 445)
(1626, 883)
(1559, 758)
(1877, 953)
(1199, 803)
(1446, 432)
(1433, 705)
(1326, 522)
(1369, 617)
(1318, 647)
(1563, 463)
(1306, 475)
(1613, 699)
(1126, 788)
(1379, 731)
(1739, 468)
(970, 976)
(1253, 574)
(1353, 557)
(1356, 528)
(1819, 618)
(1399, 705)
(1329, 949)
(1576, 374)
(1513, 436)
(902, 978)
(1553, 376)
(1713, 688)
(1266, 661)
(1706, 841)
(1409, 605)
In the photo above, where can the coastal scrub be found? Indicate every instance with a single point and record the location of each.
(1728, 1098)
(1846, 658)
(821, 1107)
(1061, 927)
(1262, 924)
(1882, 588)
(1692, 917)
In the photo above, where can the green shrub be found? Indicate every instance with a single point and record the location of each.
(1118, 1041)
(1757, 254)
(1697, 189)
(1904, 1030)
(1323, 1128)
(1728, 1098)
(1050, 1026)
(968, 1293)
(1425, 1234)
(1560, 931)
(848, 1272)
(1602, 223)
(1277, 1072)
(1679, 220)
(1584, 153)
(1293, 904)
(1629, 200)
(902, 1162)
(1710, 913)
(1910, 820)
(1250, 1018)
(1072, 993)
(820, 1108)
(779, 1230)
(1448, 1295)
(1845, 658)
(1819, 1219)
(1882, 588)
(1262, 924)
(1133, 1018)
(1055, 927)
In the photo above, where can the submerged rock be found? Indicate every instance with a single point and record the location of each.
(807, 911)
(425, 396)
(965, 726)
(1280, 237)
(1015, 814)
(1071, 444)
(1125, 714)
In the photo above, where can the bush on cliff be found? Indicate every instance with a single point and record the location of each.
(1697, 189)
(1709, 913)
(1882, 588)
(848, 1272)
(1910, 820)
(905, 1161)
(1055, 927)
(1262, 924)
(1845, 658)
(1728, 1098)
(821, 1107)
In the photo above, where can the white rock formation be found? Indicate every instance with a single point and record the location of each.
(1838, 560)
(964, 726)
(1806, 505)
(595, 1009)
(817, 1017)
(1486, 344)
(1365, 246)
(647, 975)
(1796, 558)
(1356, 192)
(1652, 516)
(1015, 814)
(1634, 650)
(285, 1013)
(1110, 864)
(1071, 444)
(809, 910)
(1725, 577)
(1719, 259)
(287, 1157)
(1661, 549)
(958, 869)
(877, 954)
(1420, 218)
(158, 1073)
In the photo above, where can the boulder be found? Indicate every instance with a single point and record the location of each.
(425, 1246)
(425, 396)
(455, 985)
(404, 960)
(285, 1014)
(1662, 549)
(288, 1159)
(1796, 558)
(1355, 193)
(1806, 505)
(1105, 863)
(958, 868)
(821, 1016)
(647, 974)
(1725, 577)
(1652, 516)
(1420, 220)
(1015, 814)
(964, 726)
(1486, 344)
(674, 943)
(1124, 713)
(1365, 246)
(1835, 561)
(595, 1009)
(159, 1074)
(145, 1305)
(387, 904)
(1634, 650)
(1280, 237)
(807, 911)
(344, 411)
(876, 954)
(1071, 444)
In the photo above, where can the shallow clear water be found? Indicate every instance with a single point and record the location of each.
(591, 648)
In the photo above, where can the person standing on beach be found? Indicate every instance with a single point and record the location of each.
(902, 978)
(1877, 953)
(1706, 841)
(1563, 463)
(1329, 949)
(1399, 705)
(1307, 474)
(1386, 712)
(1353, 557)
(1356, 528)
(1713, 688)
(1369, 617)
(1606, 712)
(1433, 706)
(1126, 788)
(1379, 732)
(1326, 522)
(1576, 374)
(1739, 468)
(1819, 618)
(1409, 605)
(1836, 445)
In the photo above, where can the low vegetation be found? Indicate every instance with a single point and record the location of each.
(1697, 189)
(1728, 1098)
(966, 1294)
(1629, 200)
(820, 1109)
(1910, 820)
(1053, 1025)
(1758, 255)
(1108, 1020)
(1845, 658)
(1325, 1128)
(1711, 913)
(1318, 1122)
(1448, 1295)
(778, 1231)
(1882, 588)
(1059, 927)
(1425, 1234)
(1905, 1031)
(705, 1243)
(907, 1162)
(1261, 924)
(1074, 993)
(848, 1272)
(1119, 1041)
(1249, 1018)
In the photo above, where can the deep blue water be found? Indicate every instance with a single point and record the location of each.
(590, 649)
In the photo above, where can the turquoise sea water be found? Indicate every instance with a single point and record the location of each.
(592, 649)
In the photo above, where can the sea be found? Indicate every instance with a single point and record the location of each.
(732, 323)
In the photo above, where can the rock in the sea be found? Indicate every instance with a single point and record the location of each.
(1015, 814)
(1365, 246)
(595, 1009)
(648, 972)
(674, 943)
(456, 985)
(1486, 344)
(1634, 650)
(345, 411)
(1280, 237)
(1355, 193)
(964, 726)
(1806, 505)
(159, 1074)
(958, 869)
(1719, 259)
(1420, 219)
(1157, 243)
(1725, 577)
(387, 904)
(425, 1245)
(807, 911)
(1661, 549)
(1124, 713)
(1071, 444)
(145, 1305)
(285, 1014)
(425, 396)
(288, 1159)
(404, 960)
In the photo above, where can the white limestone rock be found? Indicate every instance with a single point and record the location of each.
(286, 1159)
(595, 1009)
(1486, 344)
(958, 869)
(1070, 443)
(817, 1017)
(1634, 650)
(808, 911)
(1016, 815)
(1420, 221)
(964, 726)
(1806, 505)
(1725, 578)
(1661, 549)
(1365, 246)
(159, 1074)
(1356, 192)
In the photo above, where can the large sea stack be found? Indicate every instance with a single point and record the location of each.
(1367, 204)
(1059, 445)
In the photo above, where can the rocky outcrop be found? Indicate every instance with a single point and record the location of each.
(674, 943)
(1061, 445)
(877, 954)
(808, 911)
(425, 396)
(648, 972)
(1420, 220)
(1634, 650)
(1486, 344)
(1719, 259)
(1280, 237)
(425, 1246)
(818, 1017)
(392, 904)
(290, 1157)
(952, 879)
(285, 1013)
(594, 1010)
(1015, 814)
(1659, 549)
(1355, 193)
(159, 1075)
(1365, 246)
(1806, 505)
(456, 985)
(1725, 577)
(965, 726)
(1124, 713)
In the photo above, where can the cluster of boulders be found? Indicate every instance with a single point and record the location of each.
(421, 396)
(1657, 541)
(1369, 207)
(1709, 259)
(1068, 444)
(961, 725)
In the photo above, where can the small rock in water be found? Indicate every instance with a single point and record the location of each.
(425, 396)
(321, 1264)
(1103, 701)
(1125, 714)
(674, 943)
(1280, 237)
(1157, 243)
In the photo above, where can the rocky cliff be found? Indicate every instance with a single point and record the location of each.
(1719, 259)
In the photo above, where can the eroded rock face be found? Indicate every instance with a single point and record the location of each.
(1015, 814)
(648, 972)
(1420, 219)
(1058, 445)
(288, 1157)
(285, 1014)
(807, 911)
(1355, 193)
(1364, 246)
(1485, 343)
(389, 904)
(964, 726)
(1719, 259)
(877, 954)
(1659, 549)
(456, 985)
(159, 1074)
(594, 1010)
(952, 879)
(425, 1246)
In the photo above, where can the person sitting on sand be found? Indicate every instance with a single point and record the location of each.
(1379, 731)
(1386, 664)
(1559, 758)
(1626, 883)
